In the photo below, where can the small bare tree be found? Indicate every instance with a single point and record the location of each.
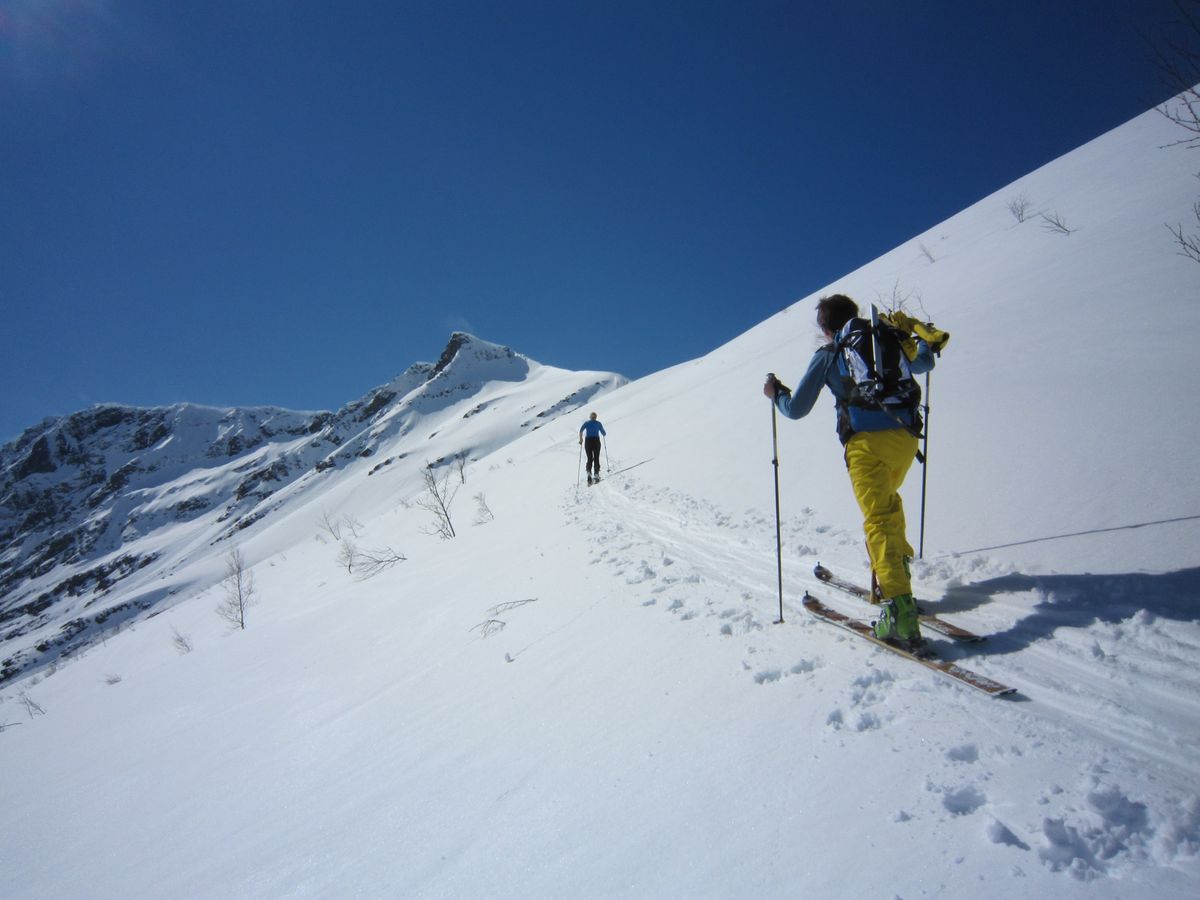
(1178, 59)
(483, 513)
(331, 526)
(1020, 206)
(335, 527)
(436, 500)
(348, 555)
(239, 590)
(460, 463)
(372, 562)
(182, 643)
(1054, 222)
(31, 706)
(494, 625)
(489, 627)
(900, 300)
(1189, 244)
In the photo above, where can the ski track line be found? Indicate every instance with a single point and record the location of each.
(687, 557)
(679, 550)
(1106, 709)
(692, 557)
(673, 547)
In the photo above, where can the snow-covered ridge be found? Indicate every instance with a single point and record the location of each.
(89, 499)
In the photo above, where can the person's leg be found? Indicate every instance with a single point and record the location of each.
(877, 462)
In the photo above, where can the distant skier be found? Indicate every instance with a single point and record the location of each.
(880, 444)
(589, 436)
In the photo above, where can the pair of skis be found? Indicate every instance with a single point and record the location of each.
(927, 619)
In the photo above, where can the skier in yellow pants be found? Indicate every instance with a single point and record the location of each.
(869, 372)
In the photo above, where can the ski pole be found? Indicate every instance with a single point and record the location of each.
(778, 526)
(579, 465)
(924, 471)
(607, 464)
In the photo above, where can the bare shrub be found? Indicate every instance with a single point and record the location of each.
(181, 642)
(1178, 60)
(372, 562)
(1177, 56)
(348, 555)
(32, 707)
(1189, 244)
(483, 513)
(489, 627)
(1020, 206)
(330, 526)
(436, 500)
(239, 590)
(336, 527)
(494, 625)
(1054, 222)
(900, 300)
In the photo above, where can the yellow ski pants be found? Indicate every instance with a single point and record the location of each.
(878, 462)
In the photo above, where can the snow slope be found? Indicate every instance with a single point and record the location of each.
(105, 512)
(586, 696)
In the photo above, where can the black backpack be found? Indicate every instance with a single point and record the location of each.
(875, 375)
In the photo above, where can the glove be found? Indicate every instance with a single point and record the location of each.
(774, 387)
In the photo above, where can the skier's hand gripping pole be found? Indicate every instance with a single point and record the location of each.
(774, 387)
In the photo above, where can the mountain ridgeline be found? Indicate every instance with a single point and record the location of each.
(92, 499)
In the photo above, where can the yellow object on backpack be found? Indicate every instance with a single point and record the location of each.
(926, 331)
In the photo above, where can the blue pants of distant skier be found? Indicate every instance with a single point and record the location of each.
(591, 446)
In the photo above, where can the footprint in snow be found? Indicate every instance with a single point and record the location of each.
(962, 801)
(871, 688)
(999, 833)
(770, 676)
(966, 753)
(643, 574)
(864, 721)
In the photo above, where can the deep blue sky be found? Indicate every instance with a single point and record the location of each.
(287, 202)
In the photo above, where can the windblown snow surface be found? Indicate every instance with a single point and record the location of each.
(585, 694)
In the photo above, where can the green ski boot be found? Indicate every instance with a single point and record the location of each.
(897, 624)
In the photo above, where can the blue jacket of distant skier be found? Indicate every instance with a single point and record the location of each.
(823, 370)
(592, 428)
